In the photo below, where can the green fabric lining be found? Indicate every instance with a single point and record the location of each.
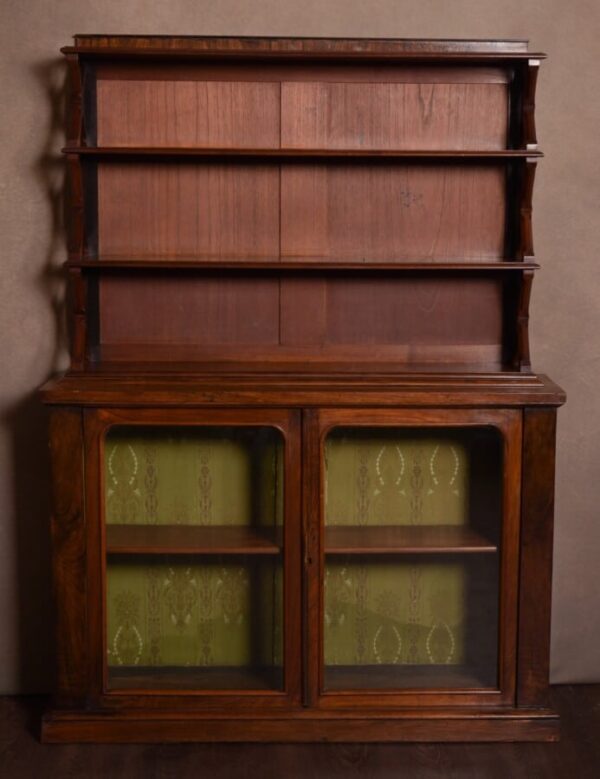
(197, 476)
(382, 613)
(205, 614)
(217, 613)
(394, 613)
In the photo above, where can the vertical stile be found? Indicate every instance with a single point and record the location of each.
(76, 223)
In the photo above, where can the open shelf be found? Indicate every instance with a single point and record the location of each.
(387, 50)
(348, 678)
(405, 539)
(150, 678)
(300, 266)
(192, 539)
(299, 154)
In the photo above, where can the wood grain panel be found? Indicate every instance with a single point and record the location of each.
(69, 555)
(414, 312)
(163, 309)
(537, 529)
(417, 318)
(394, 116)
(371, 212)
(187, 113)
(188, 210)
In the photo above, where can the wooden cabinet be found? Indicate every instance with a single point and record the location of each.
(303, 471)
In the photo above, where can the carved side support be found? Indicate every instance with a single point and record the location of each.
(523, 355)
(75, 105)
(69, 555)
(529, 139)
(525, 247)
(76, 250)
(75, 226)
(76, 239)
(78, 294)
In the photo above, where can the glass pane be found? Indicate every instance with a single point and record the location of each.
(413, 521)
(194, 548)
(194, 476)
(211, 623)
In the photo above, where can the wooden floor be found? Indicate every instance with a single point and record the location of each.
(576, 756)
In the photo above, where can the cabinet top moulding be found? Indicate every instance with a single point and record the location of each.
(196, 389)
(327, 48)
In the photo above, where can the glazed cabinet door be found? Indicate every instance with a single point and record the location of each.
(411, 550)
(194, 591)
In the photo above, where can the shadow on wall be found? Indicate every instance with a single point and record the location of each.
(28, 420)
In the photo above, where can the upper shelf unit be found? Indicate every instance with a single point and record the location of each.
(254, 204)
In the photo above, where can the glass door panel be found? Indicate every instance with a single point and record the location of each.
(201, 623)
(411, 582)
(194, 544)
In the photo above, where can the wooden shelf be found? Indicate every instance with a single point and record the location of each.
(301, 154)
(299, 266)
(147, 679)
(348, 678)
(192, 539)
(387, 50)
(405, 539)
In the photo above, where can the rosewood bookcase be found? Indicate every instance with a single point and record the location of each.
(303, 471)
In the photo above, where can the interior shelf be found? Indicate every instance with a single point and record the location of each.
(347, 678)
(194, 678)
(192, 539)
(300, 154)
(102, 264)
(405, 539)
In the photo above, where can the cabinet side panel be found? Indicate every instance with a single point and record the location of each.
(69, 554)
(537, 521)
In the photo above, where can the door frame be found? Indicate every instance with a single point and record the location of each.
(97, 422)
(317, 424)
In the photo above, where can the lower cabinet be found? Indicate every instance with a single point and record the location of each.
(289, 574)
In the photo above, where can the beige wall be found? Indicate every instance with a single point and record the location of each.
(566, 302)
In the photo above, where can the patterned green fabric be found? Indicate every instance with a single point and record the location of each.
(228, 613)
(394, 613)
(197, 476)
(217, 613)
(382, 478)
(378, 612)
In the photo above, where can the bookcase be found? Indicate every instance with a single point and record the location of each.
(303, 470)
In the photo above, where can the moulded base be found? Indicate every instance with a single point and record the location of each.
(130, 726)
